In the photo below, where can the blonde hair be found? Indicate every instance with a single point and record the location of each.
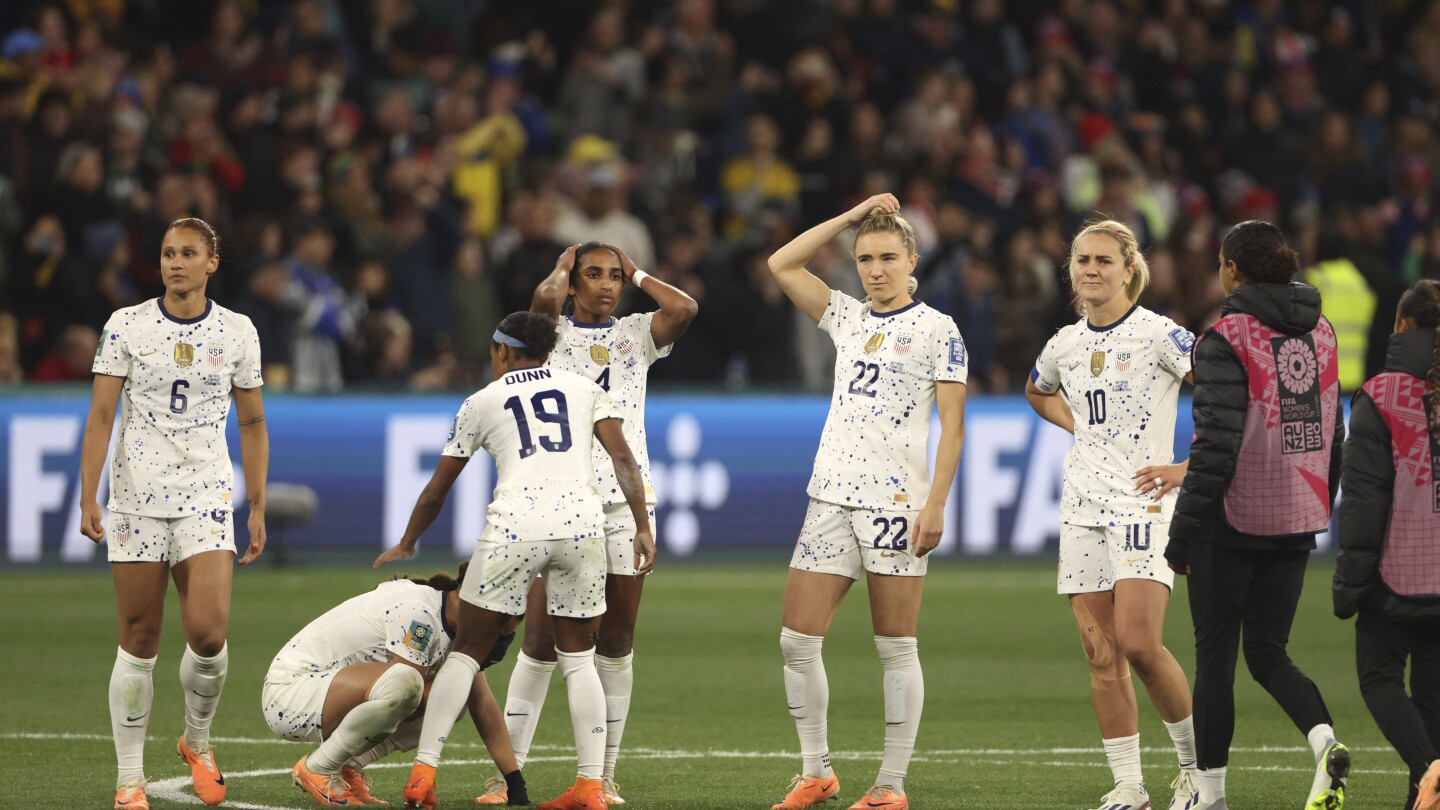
(1130, 254)
(881, 221)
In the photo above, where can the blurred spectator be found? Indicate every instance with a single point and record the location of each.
(606, 81)
(327, 314)
(69, 360)
(475, 311)
(533, 253)
(757, 177)
(598, 217)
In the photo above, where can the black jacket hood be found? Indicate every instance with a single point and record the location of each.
(1293, 308)
(1411, 352)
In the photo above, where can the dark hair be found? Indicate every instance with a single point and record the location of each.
(1259, 252)
(1421, 303)
(200, 226)
(440, 581)
(569, 306)
(535, 330)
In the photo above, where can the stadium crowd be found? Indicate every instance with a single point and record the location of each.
(389, 178)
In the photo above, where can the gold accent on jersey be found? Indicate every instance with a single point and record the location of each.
(184, 354)
(1097, 363)
(901, 497)
(873, 345)
(600, 355)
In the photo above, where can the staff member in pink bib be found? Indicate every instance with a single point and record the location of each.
(1263, 472)
(1389, 565)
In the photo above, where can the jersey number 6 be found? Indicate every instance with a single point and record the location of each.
(559, 414)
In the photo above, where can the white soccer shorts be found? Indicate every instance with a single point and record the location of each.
(501, 573)
(1093, 558)
(137, 538)
(292, 702)
(620, 537)
(844, 540)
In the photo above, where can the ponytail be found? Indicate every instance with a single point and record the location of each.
(1421, 304)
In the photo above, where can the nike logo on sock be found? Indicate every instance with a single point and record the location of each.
(794, 708)
(207, 697)
(901, 723)
(517, 714)
(129, 719)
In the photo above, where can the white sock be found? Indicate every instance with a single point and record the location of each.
(395, 695)
(587, 710)
(203, 679)
(617, 678)
(904, 687)
(807, 693)
(1124, 756)
(405, 738)
(1183, 735)
(524, 698)
(131, 695)
(1320, 737)
(1212, 785)
(448, 697)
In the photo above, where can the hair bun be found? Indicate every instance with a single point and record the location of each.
(878, 211)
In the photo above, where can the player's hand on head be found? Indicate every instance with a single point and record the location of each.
(399, 551)
(92, 521)
(256, 524)
(644, 552)
(627, 265)
(887, 201)
(567, 259)
(1160, 479)
(928, 528)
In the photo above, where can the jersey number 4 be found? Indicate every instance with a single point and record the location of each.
(558, 413)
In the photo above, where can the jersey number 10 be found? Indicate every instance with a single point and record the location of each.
(1096, 400)
(557, 414)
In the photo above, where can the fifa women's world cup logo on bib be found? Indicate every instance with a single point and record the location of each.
(1297, 372)
(184, 354)
(874, 343)
(600, 355)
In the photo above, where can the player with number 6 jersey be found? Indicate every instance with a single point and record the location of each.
(539, 424)
(1113, 379)
(872, 508)
(583, 292)
(173, 364)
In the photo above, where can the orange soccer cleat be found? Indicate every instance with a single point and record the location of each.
(585, 794)
(808, 791)
(204, 773)
(130, 795)
(359, 785)
(496, 792)
(1428, 794)
(327, 789)
(420, 787)
(881, 797)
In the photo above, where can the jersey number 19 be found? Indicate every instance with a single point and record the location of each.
(557, 414)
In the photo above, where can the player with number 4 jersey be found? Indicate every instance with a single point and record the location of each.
(583, 292)
(539, 424)
(873, 509)
(1113, 379)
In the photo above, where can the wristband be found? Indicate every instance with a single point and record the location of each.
(638, 276)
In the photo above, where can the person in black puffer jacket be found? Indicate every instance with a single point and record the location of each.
(1389, 565)
(1264, 467)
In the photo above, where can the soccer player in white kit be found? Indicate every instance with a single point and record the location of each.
(617, 354)
(539, 424)
(173, 364)
(1113, 379)
(353, 680)
(872, 504)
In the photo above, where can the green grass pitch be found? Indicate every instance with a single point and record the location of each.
(1008, 723)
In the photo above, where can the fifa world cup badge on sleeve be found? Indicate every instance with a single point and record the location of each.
(957, 352)
(100, 349)
(419, 636)
(1184, 341)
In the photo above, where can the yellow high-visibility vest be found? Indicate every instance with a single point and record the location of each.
(1346, 299)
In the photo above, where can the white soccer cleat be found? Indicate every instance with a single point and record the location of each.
(1125, 797)
(1186, 790)
(610, 791)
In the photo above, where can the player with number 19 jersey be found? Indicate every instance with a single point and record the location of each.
(539, 426)
(617, 356)
(873, 451)
(172, 460)
(1122, 382)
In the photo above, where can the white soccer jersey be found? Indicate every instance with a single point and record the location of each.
(172, 460)
(873, 450)
(617, 356)
(1122, 383)
(539, 426)
(400, 617)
